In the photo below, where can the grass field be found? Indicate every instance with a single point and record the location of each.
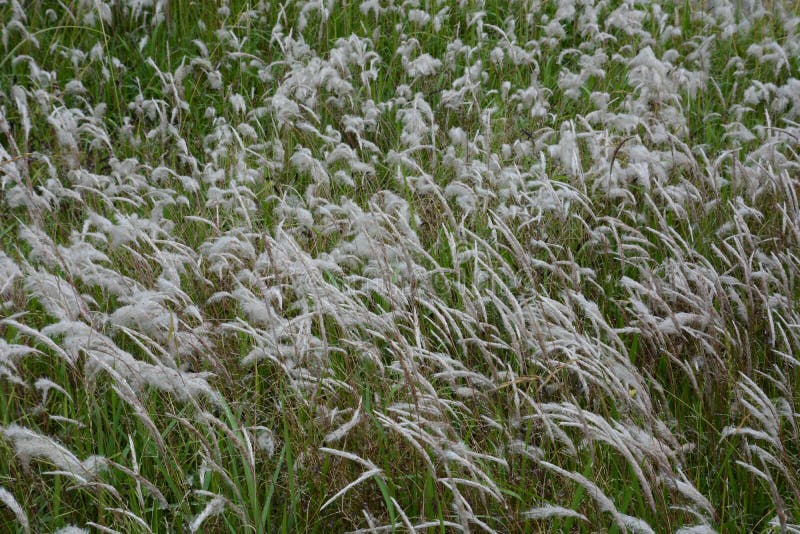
(329, 266)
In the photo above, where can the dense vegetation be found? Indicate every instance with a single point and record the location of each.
(369, 266)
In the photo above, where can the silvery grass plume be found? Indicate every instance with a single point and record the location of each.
(9, 500)
(29, 445)
(369, 267)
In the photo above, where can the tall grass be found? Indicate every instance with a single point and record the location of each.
(371, 267)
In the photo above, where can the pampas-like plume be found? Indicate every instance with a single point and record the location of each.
(30, 445)
(9, 500)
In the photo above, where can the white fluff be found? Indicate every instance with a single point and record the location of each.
(9, 500)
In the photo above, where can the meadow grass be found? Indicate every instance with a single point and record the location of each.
(510, 266)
